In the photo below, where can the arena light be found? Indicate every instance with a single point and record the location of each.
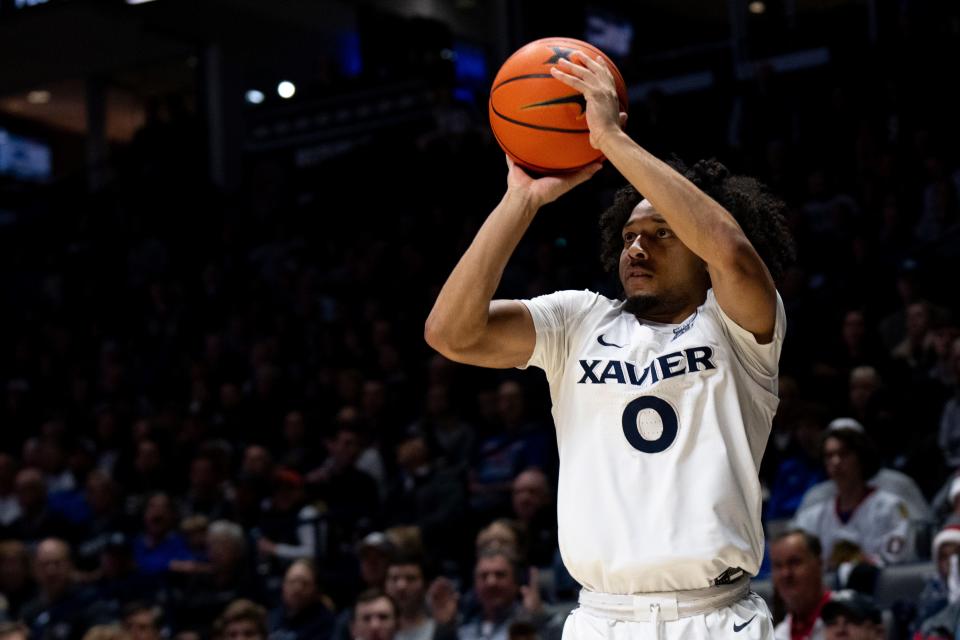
(254, 97)
(38, 97)
(756, 7)
(286, 89)
(138, 1)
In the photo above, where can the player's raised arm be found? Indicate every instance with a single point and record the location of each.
(466, 324)
(741, 282)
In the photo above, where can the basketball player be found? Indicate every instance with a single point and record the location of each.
(662, 401)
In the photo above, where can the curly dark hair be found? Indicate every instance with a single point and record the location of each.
(759, 213)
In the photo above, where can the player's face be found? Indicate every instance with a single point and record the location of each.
(653, 261)
(797, 576)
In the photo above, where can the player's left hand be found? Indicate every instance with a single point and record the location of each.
(531, 593)
(592, 78)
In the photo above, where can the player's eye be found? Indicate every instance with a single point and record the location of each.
(663, 232)
(629, 237)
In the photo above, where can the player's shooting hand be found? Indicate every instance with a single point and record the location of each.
(531, 593)
(442, 600)
(543, 190)
(593, 78)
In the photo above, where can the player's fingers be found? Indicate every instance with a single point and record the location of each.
(573, 68)
(600, 66)
(569, 80)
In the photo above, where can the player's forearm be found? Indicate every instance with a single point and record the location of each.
(702, 224)
(461, 311)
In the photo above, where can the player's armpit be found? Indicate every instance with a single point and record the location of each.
(507, 340)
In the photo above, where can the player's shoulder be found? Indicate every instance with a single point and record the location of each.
(575, 301)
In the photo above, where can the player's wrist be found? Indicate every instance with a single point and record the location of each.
(521, 199)
(605, 137)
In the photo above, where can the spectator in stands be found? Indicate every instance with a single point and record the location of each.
(60, 609)
(801, 467)
(241, 620)
(862, 523)
(351, 495)
(289, 527)
(870, 403)
(798, 580)
(850, 615)
(498, 590)
(160, 543)
(298, 451)
(406, 584)
(36, 520)
(533, 508)
(304, 612)
(915, 350)
(942, 588)
(516, 445)
(944, 370)
(374, 616)
(427, 495)
(453, 438)
(9, 506)
(374, 552)
(117, 581)
(16, 583)
(227, 578)
(102, 498)
(890, 480)
(950, 417)
(205, 495)
(148, 474)
(14, 631)
(142, 621)
(504, 534)
(106, 632)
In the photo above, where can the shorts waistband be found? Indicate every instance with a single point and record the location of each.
(669, 605)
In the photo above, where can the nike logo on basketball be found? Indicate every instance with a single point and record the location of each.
(737, 628)
(607, 344)
(576, 99)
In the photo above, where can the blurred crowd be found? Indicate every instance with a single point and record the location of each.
(220, 419)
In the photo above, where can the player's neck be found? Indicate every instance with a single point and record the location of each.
(668, 314)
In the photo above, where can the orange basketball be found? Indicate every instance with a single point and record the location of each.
(540, 122)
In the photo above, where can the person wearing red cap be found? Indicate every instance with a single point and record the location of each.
(289, 526)
(938, 606)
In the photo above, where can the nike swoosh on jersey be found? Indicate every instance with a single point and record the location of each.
(607, 344)
(737, 628)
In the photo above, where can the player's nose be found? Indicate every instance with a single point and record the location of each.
(637, 250)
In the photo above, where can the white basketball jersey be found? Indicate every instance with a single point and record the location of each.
(879, 525)
(660, 429)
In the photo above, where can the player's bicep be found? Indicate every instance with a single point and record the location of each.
(746, 292)
(507, 341)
